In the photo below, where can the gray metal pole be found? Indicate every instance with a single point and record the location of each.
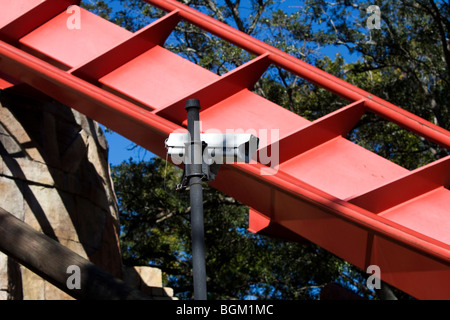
(194, 174)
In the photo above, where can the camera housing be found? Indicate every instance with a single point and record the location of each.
(218, 148)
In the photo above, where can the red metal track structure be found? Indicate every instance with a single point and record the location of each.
(326, 189)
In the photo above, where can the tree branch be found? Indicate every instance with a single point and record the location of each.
(212, 5)
(234, 7)
(437, 16)
(261, 7)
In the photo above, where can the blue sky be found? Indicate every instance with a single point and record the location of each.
(122, 149)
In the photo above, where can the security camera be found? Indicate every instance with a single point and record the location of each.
(218, 148)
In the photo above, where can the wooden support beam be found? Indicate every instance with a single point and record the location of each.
(51, 260)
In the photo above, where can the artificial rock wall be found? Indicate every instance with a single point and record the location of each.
(54, 175)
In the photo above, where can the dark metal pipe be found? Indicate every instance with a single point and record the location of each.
(194, 174)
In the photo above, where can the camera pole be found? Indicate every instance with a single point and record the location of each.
(194, 175)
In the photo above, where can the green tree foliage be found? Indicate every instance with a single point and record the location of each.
(156, 231)
(406, 62)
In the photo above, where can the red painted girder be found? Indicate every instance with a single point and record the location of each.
(55, 42)
(166, 76)
(19, 17)
(122, 116)
(414, 184)
(141, 41)
(243, 77)
(246, 111)
(415, 263)
(347, 230)
(319, 77)
(344, 224)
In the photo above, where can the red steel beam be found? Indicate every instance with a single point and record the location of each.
(313, 74)
(149, 129)
(38, 13)
(345, 210)
(116, 113)
(139, 125)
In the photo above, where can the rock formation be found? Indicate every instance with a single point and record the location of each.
(54, 175)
